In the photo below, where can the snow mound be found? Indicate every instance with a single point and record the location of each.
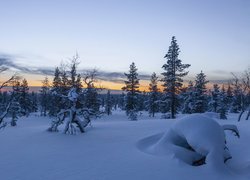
(196, 139)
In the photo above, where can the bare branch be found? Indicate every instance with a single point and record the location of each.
(232, 128)
(7, 82)
(89, 78)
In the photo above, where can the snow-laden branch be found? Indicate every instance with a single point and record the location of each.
(233, 128)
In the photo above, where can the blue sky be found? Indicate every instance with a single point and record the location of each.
(109, 34)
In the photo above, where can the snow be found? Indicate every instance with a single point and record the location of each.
(203, 134)
(113, 148)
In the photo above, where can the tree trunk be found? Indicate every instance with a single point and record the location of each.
(248, 114)
(241, 114)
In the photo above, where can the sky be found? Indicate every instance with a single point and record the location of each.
(36, 36)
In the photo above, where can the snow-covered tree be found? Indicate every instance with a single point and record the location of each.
(15, 108)
(222, 103)
(153, 96)
(24, 99)
(188, 99)
(172, 77)
(200, 96)
(75, 105)
(132, 89)
(215, 98)
(57, 88)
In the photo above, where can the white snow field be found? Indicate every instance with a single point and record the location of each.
(114, 148)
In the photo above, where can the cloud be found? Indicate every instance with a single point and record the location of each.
(9, 62)
(115, 77)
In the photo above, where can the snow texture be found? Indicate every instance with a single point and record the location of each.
(108, 151)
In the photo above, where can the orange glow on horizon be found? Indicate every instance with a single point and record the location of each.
(36, 81)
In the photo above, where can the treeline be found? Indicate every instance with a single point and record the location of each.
(78, 92)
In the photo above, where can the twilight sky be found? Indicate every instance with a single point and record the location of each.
(36, 35)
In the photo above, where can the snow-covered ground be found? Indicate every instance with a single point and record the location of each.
(109, 150)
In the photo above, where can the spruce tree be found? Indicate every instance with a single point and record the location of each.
(237, 100)
(90, 99)
(215, 98)
(188, 99)
(45, 98)
(152, 103)
(200, 97)
(56, 101)
(57, 81)
(121, 101)
(15, 108)
(229, 96)
(222, 103)
(108, 104)
(172, 77)
(34, 101)
(24, 99)
(132, 89)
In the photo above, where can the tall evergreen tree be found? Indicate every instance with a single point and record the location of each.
(15, 108)
(172, 77)
(24, 99)
(152, 103)
(132, 89)
(56, 101)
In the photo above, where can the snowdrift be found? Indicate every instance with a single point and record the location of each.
(195, 139)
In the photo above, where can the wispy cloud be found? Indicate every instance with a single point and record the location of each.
(9, 62)
(115, 77)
